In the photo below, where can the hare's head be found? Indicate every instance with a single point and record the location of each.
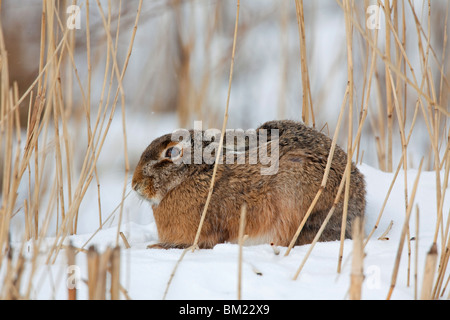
(165, 164)
(159, 170)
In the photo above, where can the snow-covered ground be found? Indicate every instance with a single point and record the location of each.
(213, 274)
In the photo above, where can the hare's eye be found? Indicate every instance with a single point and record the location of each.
(173, 152)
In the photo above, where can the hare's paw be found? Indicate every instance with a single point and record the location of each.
(166, 246)
(159, 246)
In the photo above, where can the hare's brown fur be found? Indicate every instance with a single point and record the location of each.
(276, 204)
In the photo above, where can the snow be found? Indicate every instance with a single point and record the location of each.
(213, 273)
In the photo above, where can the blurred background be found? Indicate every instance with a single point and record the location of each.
(181, 59)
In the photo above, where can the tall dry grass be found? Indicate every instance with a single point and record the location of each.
(38, 159)
(396, 84)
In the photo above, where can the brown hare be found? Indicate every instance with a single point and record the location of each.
(276, 203)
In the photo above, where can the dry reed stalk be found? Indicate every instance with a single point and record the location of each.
(76, 249)
(13, 277)
(125, 241)
(444, 47)
(125, 293)
(349, 35)
(98, 266)
(42, 47)
(242, 223)
(366, 80)
(72, 290)
(307, 105)
(115, 273)
(385, 233)
(284, 17)
(51, 104)
(405, 86)
(101, 285)
(8, 288)
(87, 105)
(416, 259)
(435, 136)
(398, 57)
(36, 244)
(408, 269)
(433, 140)
(60, 115)
(69, 83)
(225, 119)
(433, 128)
(121, 90)
(109, 52)
(93, 261)
(378, 128)
(430, 270)
(275, 249)
(401, 125)
(402, 136)
(65, 111)
(443, 264)
(20, 265)
(389, 91)
(402, 237)
(357, 275)
(445, 287)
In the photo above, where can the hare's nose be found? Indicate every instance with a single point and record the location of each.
(138, 188)
(136, 180)
(135, 185)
